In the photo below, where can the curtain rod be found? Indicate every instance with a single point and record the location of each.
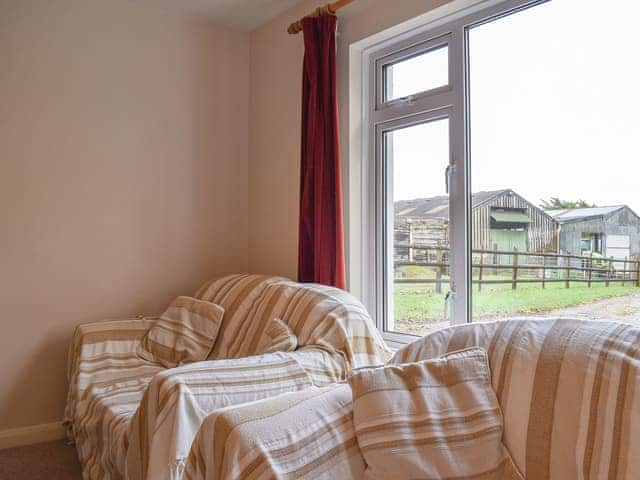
(328, 9)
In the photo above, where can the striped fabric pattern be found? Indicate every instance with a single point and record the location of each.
(237, 294)
(177, 401)
(184, 333)
(305, 435)
(432, 419)
(277, 337)
(106, 382)
(103, 353)
(102, 425)
(109, 383)
(569, 392)
(319, 316)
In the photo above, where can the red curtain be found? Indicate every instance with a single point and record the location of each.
(321, 244)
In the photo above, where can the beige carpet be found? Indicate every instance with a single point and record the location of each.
(46, 461)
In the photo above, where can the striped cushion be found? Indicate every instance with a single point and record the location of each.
(306, 435)
(431, 420)
(184, 333)
(277, 337)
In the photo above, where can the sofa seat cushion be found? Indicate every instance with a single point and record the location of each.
(103, 417)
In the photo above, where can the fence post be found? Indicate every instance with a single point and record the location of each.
(514, 278)
(544, 270)
(567, 267)
(480, 272)
(439, 256)
(624, 270)
(495, 256)
(590, 271)
(411, 253)
(609, 268)
(638, 273)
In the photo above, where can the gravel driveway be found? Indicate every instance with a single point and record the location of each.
(621, 309)
(625, 309)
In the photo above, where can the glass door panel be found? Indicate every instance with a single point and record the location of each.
(554, 127)
(417, 231)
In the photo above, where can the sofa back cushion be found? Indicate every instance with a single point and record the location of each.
(320, 316)
(569, 392)
(184, 333)
(237, 294)
(435, 418)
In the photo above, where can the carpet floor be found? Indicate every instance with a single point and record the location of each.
(46, 461)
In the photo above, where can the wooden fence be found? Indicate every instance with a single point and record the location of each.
(514, 267)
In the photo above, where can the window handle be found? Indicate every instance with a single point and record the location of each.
(447, 177)
(448, 300)
(408, 100)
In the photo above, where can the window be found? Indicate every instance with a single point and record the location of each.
(400, 80)
(417, 227)
(499, 183)
(591, 242)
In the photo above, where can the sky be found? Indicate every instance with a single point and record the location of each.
(555, 108)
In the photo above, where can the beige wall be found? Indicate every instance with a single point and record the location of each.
(276, 66)
(123, 176)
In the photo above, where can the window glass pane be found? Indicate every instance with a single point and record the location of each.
(417, 74)
(418, 238)
(554, 129)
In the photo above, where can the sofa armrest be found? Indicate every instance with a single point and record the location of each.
(302, 434)
(178, 400)
(101, 351)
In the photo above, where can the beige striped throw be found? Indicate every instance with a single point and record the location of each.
(277, 337)
(306, 435)
(568, 391)
(320, 316)
(131, 418)
(184, 333)
(433, 419)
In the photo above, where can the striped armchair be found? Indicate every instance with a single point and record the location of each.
(136, 419)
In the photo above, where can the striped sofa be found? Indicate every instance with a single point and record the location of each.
(134, 419)
(569, 391)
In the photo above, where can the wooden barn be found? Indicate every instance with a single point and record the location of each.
(501, 220)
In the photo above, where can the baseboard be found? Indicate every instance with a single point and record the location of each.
(45, 432)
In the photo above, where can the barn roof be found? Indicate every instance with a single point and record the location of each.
(579, 214)
(438, 207)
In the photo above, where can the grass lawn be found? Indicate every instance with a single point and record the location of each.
(419, 302)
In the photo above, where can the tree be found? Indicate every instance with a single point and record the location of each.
(556, 203)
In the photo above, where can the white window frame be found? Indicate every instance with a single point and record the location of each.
(450, 101)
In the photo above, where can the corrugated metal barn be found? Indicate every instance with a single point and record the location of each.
(609, 231)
